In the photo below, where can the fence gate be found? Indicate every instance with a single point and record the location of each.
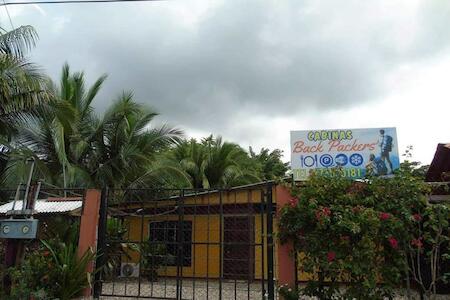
(186, 244)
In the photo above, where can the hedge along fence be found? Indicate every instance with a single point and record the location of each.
(377, 236)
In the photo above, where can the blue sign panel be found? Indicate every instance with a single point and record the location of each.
(18, 228)
(359, 152)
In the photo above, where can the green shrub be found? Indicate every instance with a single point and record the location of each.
(53, 271)
(361, 233)
(288, 293)
(153, 256)
(115, 250)
(35, 277)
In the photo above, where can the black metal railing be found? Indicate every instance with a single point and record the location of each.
(186, 244)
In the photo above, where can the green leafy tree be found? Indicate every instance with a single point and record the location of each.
(415, 167)
(429, 250)
(59, 137)
(213, 163)
(128, 147)
(357, 232)
(73, 147)
(153, 257)
(269, 163)
(22, 85)
(52, 271)
(191, 157)
(115, 250)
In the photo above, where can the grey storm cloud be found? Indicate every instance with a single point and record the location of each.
(263, 57)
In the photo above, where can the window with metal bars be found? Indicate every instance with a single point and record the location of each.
(167, 233)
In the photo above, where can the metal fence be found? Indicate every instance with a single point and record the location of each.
(186, 244)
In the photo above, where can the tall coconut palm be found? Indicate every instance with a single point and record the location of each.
(75, 147)
(58, 137)
(22, 84)
(127, 146)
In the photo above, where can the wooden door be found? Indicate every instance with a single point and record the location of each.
(238, 248)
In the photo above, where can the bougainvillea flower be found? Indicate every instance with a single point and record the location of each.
(326, 211)
(393, 241)
(417, 217)
(331, 255)
(293, 202)
(318, 215)
(384, 216)
(417, 242)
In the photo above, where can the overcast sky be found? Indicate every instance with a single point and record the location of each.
(252, 71)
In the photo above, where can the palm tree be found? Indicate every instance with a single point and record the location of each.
(57, 138)
(191, 158)
(269, 163)
(22, 84)
(76, 148)
(127, 147)
(214, 163)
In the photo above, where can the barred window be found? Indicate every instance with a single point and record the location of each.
(167, 232)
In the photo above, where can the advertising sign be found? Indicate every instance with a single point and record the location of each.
(359, 152)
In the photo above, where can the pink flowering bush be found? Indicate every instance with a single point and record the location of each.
(361, 233)
(384, 216)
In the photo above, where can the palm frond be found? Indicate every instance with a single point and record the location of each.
(22, 91)
(92, 92)
(19, 41)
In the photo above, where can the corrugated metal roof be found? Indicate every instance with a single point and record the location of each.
(45, 207)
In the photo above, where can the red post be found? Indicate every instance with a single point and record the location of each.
(286, 260)
(88, 228)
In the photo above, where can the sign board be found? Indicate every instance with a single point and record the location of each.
(359, 152)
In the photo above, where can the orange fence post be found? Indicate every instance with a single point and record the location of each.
(88, 228)
(286, 260)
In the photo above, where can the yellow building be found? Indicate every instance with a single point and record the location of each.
(207, 234)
